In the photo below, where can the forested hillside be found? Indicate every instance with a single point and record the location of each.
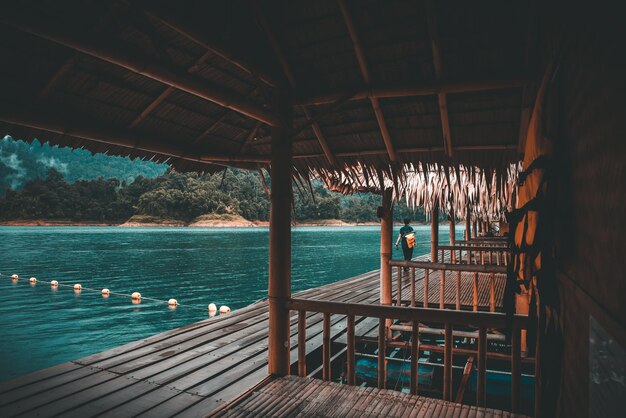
(44, 182)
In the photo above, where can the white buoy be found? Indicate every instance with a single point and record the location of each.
(78, 286)
(172, 302)
(15, 277)
(212, 313)
(136, 296)
(105, 292)
(54, 283)
(224, 309)
(32, 280)
(212, 307)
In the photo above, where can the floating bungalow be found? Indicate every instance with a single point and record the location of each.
(506, 116)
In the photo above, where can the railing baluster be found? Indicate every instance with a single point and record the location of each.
(442, 289)
(447, 364)
(412, 286)
(475, 289)
(382, 369)
(469, 256)
(458, 290)
(326, 348)
(492, 292)
(516, 359)
(482, 366)
(302, 343)
(399, 297)
(414, 357)
(426, 274)
(482, 257)
(351, 351)
(490, 254)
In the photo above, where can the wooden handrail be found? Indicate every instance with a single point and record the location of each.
(473, 248)
(465, 318)
(472, 268)
(448, 318)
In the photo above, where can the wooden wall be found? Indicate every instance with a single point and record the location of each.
(590, 122)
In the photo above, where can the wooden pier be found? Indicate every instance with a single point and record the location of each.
(188, 371)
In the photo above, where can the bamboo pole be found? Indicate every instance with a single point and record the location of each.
(279, 286)
(434, 233)
(452, 236)
(468, 226)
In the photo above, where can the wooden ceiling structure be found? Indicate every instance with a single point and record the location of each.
(370, 83)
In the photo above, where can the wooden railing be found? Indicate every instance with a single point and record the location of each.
(476, 254)
(443, 268)
(447, 319)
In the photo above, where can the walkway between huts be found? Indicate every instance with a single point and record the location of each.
(189, 371)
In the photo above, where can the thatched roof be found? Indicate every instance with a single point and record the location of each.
(373, 85)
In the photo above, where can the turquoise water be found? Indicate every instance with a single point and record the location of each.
(41, 327)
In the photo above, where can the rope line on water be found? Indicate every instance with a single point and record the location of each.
(222, 310)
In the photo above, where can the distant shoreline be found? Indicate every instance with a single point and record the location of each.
(221, 224)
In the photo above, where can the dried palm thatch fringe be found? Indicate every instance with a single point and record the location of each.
(487, 194)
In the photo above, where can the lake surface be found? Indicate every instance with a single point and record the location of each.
(41, 327)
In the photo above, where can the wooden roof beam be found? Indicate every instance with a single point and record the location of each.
(441, 97)
(416, 91)
(292, 82)
(496, 147)
(93, 132)
(360, 56)
(212, 46)
(527, 98)
(196, 86)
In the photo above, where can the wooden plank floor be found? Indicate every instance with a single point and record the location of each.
(313, 397)
(186, 372)
(466, 294)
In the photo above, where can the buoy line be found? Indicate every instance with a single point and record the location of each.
(136, 297)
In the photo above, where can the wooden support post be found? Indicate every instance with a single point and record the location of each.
(475, 228)
(414, 357)
(279, 286)
(447, 364)
(302, 343)
(351, 351)
(412, 287)
(468, 226)
(515, 368)
(326, 348)
(386, 225)
(452, 237)
(434, 233)
(382, 349)
(482, 367)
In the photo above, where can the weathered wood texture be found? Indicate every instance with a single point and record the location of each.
(313, 397)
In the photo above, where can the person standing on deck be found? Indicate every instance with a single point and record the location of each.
(407, 237)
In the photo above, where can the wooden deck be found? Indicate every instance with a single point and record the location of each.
(188, 371)
(314, 397)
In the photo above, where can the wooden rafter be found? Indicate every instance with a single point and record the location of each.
(212, 46)
(360, 56)
(495, 147)
(282, 59)
(92, 131)
(441, 96)
(416, 91)
(166, 93)
(250, 138)
(57, 76)
(196, 86)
